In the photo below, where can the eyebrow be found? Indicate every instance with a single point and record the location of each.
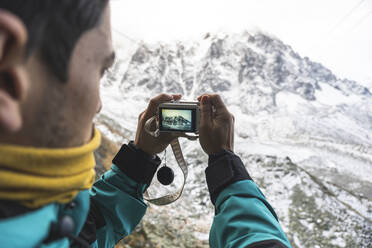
(109, 60)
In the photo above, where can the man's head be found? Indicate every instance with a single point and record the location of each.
(52, 57)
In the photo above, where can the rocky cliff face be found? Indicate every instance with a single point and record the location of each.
(304, 134)
(258, 63)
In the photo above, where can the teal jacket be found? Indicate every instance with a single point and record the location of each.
(243, 217)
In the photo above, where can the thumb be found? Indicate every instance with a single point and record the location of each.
(205, 112)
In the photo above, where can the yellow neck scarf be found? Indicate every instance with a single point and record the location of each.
(37, 177)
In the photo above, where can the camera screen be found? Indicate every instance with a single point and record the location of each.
(177, 120)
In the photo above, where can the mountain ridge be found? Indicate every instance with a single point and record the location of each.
(249, 49)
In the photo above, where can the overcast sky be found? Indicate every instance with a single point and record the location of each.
(337, 33)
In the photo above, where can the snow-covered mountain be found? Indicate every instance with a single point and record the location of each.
(304, 134)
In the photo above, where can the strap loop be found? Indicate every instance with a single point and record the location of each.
(148, 124)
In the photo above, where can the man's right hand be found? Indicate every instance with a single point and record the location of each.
(216, 125)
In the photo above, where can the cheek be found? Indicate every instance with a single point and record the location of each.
(87, 97)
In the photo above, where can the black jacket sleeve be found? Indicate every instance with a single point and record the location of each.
(223, 170)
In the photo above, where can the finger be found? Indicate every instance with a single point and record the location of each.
(177, 97)
(200, 97)
(140, 116)
(218, 103)
(154, 104)
(206, 112)
(167, 138)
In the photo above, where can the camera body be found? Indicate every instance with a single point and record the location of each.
(181, 117)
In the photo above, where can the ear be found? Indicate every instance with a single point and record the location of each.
(13, 80)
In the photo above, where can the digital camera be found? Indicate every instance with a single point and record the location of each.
(179, 117)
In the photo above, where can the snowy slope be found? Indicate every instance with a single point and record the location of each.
(304, 133)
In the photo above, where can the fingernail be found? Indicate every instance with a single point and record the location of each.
(205, 100)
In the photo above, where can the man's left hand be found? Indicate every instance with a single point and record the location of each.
(145, 141)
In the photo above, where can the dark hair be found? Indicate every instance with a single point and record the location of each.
(55, 26)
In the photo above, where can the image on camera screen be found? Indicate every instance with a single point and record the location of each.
(177, 119)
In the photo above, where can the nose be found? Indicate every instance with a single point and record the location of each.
(99, 106)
